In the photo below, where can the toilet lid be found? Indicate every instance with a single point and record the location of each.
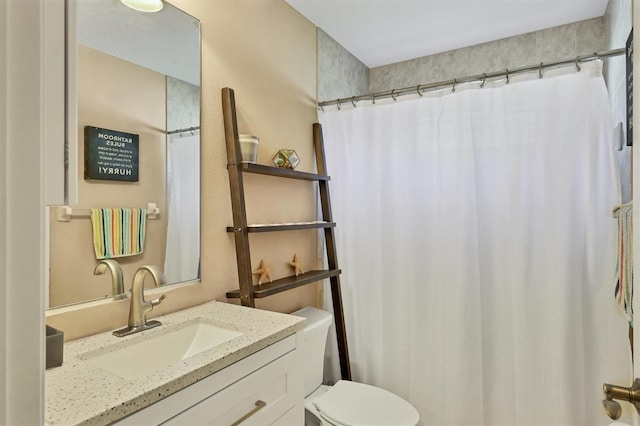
(356, 404)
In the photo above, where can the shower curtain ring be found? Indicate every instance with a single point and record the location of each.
(338, 103)
(353, 102)
(393, 95)
(507, 75)
(484, 80)
(453, 88)
(418, 90)
(321, 107)
(578, 65)
(540, 71)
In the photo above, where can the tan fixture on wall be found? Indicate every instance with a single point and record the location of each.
(139, 307)
(613, 392)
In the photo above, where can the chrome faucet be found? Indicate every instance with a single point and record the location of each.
(139, 307)
(117, 280)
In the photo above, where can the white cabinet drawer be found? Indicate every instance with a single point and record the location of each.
(293, 417)
(272, 375)
(260, 398)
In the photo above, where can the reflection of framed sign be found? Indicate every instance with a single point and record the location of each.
(110, 155)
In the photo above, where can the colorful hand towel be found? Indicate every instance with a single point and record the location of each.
(118, 232)
(624, 267)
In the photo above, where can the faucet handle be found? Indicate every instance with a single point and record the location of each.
(612, 408)
(156, 302)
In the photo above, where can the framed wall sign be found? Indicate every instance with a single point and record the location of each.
(110, 155)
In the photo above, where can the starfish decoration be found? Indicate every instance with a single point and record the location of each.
(296, 265)
(264, 271)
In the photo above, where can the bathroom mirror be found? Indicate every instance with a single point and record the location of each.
(137, 73)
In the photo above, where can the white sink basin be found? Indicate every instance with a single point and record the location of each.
(141, 357)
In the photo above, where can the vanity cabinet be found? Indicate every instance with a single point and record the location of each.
(265, 388)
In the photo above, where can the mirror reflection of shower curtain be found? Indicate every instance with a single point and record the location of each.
(182, 260)
(478, 249)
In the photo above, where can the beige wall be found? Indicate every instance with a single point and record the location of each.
(116, 95)
(266, 52)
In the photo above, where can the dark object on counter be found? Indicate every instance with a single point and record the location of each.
(55, 341)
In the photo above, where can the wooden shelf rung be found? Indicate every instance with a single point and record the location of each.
(287, 283)
(261, 169)
(273, 227)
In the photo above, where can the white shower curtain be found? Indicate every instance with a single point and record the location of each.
(478, 249)
(182, 259)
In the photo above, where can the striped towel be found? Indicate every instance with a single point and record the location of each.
(624, 267)
(118, 232)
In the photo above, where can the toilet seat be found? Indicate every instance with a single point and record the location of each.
(355, 404)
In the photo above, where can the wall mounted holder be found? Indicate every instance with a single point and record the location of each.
(66, 213)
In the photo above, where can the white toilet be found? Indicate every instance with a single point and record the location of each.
(346, 402)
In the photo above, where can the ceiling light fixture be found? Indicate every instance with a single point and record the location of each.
(144, 5)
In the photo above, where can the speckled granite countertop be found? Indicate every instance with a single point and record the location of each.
(78, 393)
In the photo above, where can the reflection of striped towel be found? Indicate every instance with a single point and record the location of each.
(118, 232)
(624, 268)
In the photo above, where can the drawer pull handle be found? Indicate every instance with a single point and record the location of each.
(259, 405)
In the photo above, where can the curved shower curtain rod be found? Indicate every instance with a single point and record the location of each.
(191, 130)
(422, 88)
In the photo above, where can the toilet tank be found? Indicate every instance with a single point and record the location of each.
(315, 340)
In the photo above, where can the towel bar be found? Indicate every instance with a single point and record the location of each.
(65, 213)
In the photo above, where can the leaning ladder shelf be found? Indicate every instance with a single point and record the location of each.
(248, 292)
